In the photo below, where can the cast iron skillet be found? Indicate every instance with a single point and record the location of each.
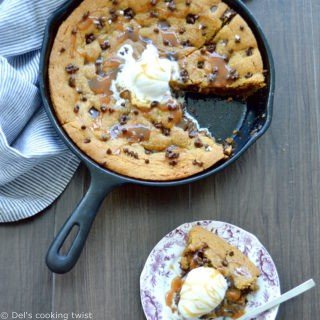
(251, 118)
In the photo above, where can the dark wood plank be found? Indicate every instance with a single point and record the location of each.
(23, 273)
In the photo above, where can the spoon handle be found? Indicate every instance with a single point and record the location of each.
(275, 302)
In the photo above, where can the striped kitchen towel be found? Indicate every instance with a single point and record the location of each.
(35, 166)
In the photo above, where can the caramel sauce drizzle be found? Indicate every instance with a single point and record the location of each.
(101, 85)
(176, 286)
(170, 37)
(220, 69)
(133, 132)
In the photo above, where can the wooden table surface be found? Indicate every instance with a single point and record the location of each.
(272, 191)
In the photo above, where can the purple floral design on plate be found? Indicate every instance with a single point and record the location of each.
(162, 266)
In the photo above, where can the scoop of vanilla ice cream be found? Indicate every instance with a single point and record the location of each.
(148, 77)
(203, 290)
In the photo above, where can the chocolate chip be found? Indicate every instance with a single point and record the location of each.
(76, 108)
(213, 9)
(147, 161)
(241, 28)
(200, 64)
(94, 113)
(87, 140)
(170, 119)
(103, 108)
(186, 43)
(197, 163)
(164, 24)
(173, 163)
(203, 51)
(228, 14)
(158, 125)
(184, 74)
(231, 253)
(113, 17)
(225, 263)
(156, 30)
(154, 104)
(99, 61)
(248, 75)
(109, 151)
(131, 153)
(193, 134)
(211, 47)
(100, 23)
(225, 58)
(135, 112)
(237, 38)
(192, 18)
(85, 16)
(62, 50)
(105, 45)
(233, 74)
(188, 3)
(249, 51)
(172, 107)
(212, 77)
(104, 137)
(72, 81)
(171, 153)
(166, 42)
(173, 56)
(154, 14)
(129, 13)
(90, 37)
(224, 42)
(198, 143)
(84, 99)
(83, 127)
(182, 30)
(172, 6)
(125, 94)
(71, 68)
(74, 31)
(165, 131)
(124, 119)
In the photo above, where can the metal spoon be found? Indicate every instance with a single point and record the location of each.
(275, 302)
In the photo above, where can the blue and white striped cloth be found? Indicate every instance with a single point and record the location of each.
(35, 166)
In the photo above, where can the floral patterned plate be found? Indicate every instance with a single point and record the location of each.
(163, 265)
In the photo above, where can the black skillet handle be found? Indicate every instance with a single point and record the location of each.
(82, 217)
